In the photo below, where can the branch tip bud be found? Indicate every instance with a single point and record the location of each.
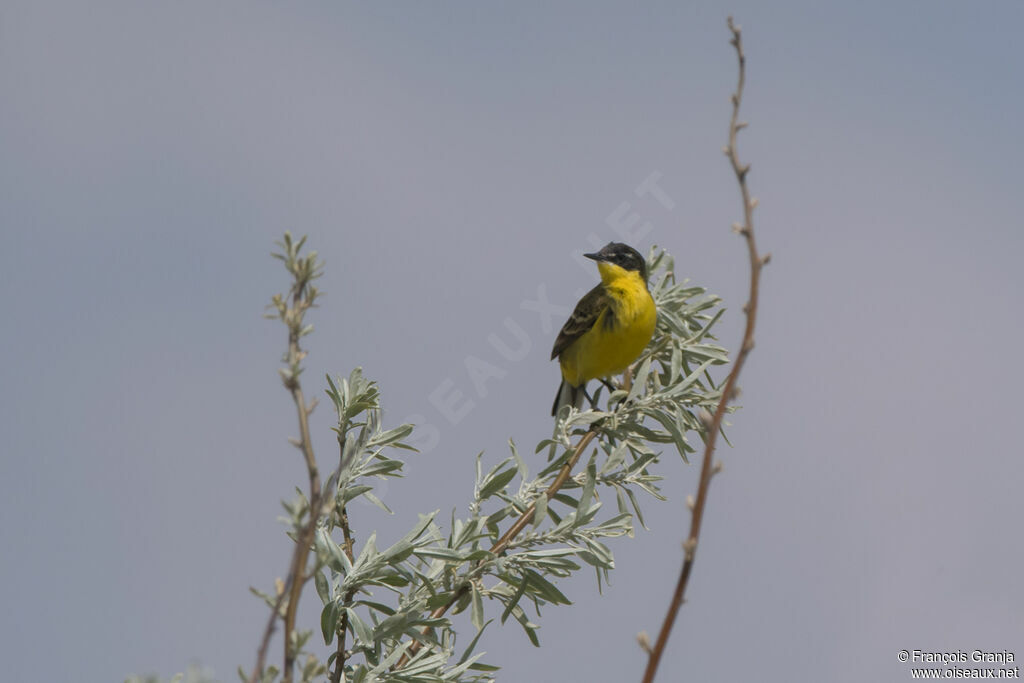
(644, 641)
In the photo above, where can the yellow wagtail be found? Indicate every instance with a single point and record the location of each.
(609, 327)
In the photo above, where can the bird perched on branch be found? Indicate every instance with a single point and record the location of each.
(609, 327)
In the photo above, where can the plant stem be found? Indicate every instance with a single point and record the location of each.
(707, 469)
(502, 543)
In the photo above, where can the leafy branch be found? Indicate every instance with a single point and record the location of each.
(746, 229)
(553, 521)
(670, 398)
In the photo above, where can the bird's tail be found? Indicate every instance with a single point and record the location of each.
(567, 395)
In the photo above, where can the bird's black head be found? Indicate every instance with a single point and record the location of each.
(623, 256)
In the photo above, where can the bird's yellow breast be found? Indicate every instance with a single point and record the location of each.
(610, 346)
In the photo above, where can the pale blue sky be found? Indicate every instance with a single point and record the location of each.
(451, 158)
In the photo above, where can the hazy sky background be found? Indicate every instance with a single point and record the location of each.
(446, 160)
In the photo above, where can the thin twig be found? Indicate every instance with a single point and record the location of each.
(339, 659)
(297, 570)
(305, 540)
(268, 632)
(506, 539)
(707, 468)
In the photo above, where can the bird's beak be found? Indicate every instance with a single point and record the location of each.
(596, 256)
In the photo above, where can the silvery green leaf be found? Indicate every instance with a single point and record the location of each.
(566, 499)
(479, 555)
(586, 418)
(640, 463)
(388, 661)
(715, 353)
(621, 522)
(585, 516)
(363, 633)
(640, 381)
(588, 487)
(466, 662)
(639, 429)
(544, 588)
(550, 552)
(477, 613)
(674, 429)
(470, 532)
(398, 552)
(540, 510)
(332, 552)
(592, 559)
(368, 553)
(620, 500)
(350, 493)
(691, 377)
(513, 602)
(377, 606)
(381, 466)
(378, 502)
(390, 437)
(636, 507)
(322, 588)
(524, 471)
(677, 362)
(421, 525)
(529, 627)
(446, 554)
(329, 621)
(707, 327)
(496, 482)
(615, 458)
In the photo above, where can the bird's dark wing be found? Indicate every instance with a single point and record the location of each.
(587, 311)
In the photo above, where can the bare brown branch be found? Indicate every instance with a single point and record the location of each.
(707, 467)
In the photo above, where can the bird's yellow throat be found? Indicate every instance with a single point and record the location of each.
(611, 345)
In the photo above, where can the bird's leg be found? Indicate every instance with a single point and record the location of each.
(627, 381)
(604, 381)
